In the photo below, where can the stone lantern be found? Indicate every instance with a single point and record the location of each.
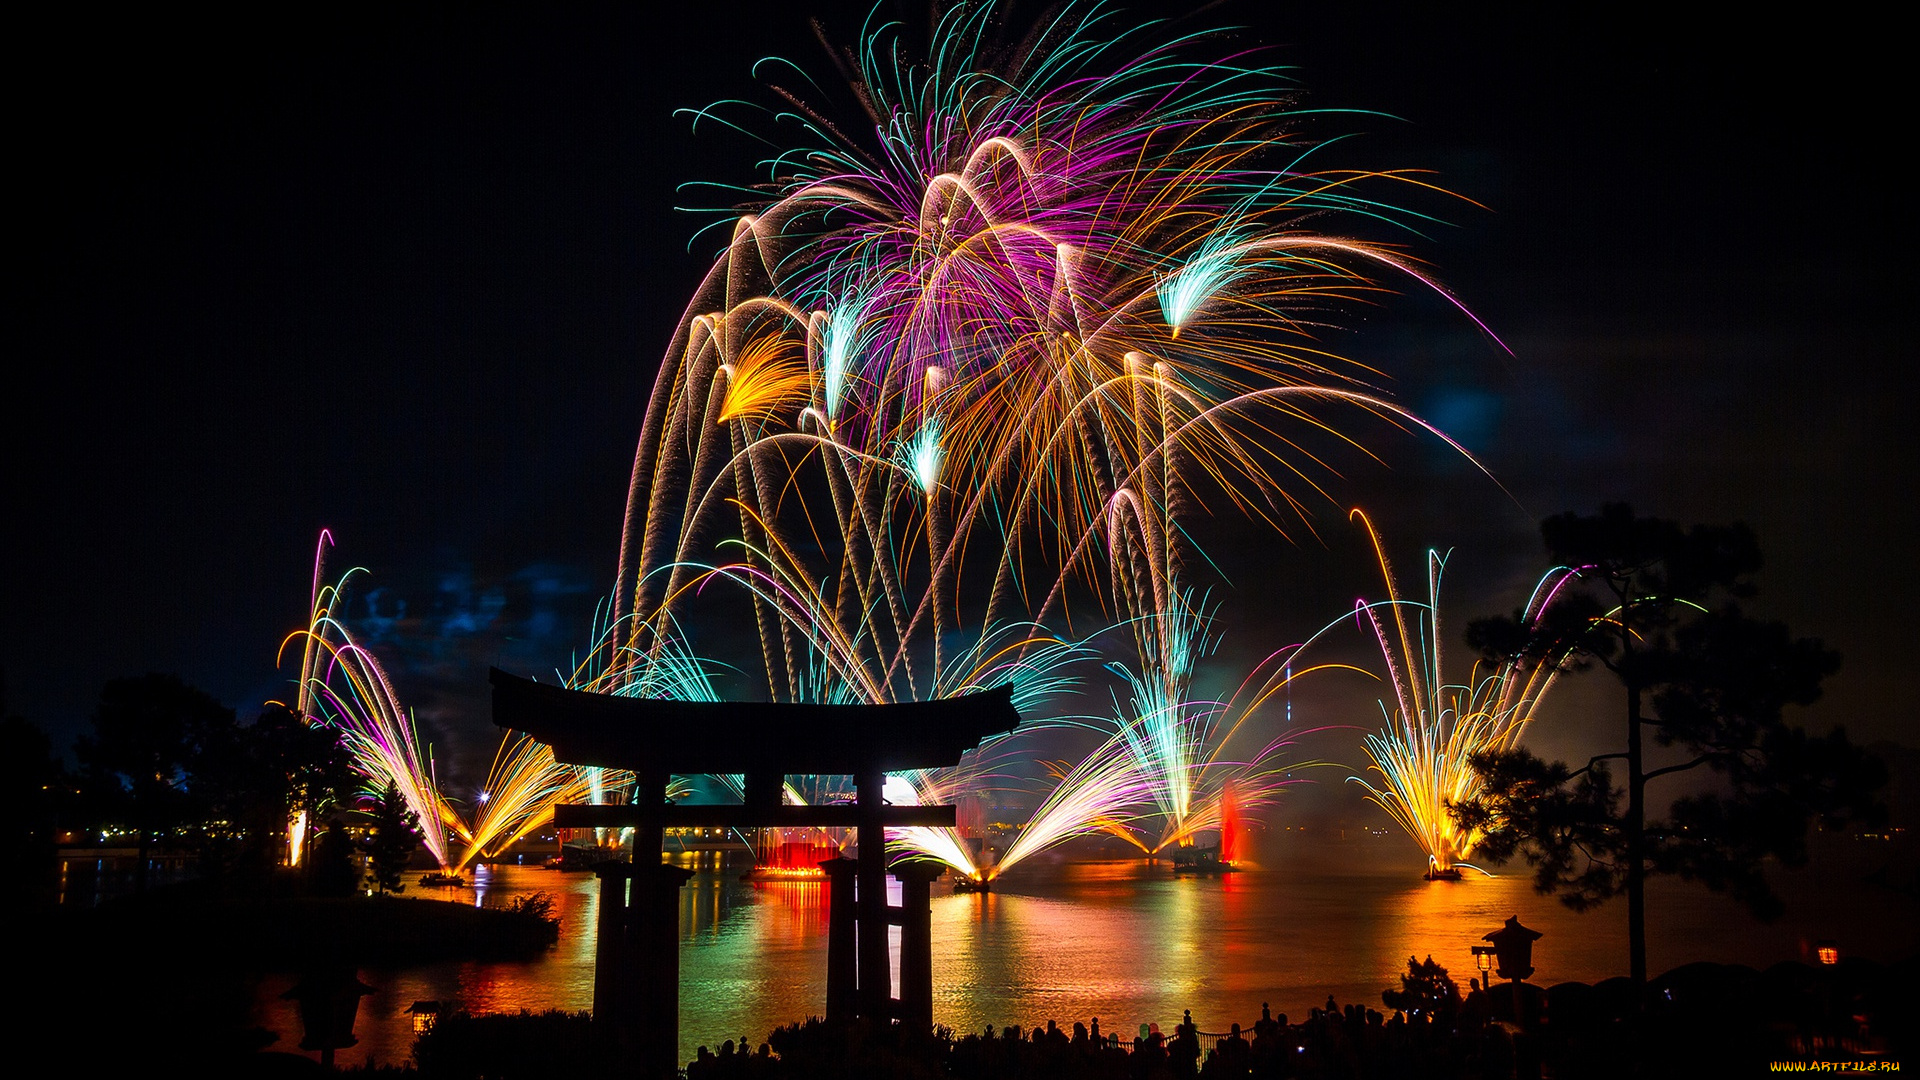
(1513, 947)
(329, 999)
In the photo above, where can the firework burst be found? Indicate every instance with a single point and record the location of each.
(996, 342)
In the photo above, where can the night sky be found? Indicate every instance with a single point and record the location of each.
(407, 275)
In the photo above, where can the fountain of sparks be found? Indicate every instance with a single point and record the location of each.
(1434, 727)
(343, 686)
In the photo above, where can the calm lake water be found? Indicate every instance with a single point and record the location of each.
(1122, 940)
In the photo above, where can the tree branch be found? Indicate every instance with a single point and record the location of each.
(1701, 760)
(1591, 762)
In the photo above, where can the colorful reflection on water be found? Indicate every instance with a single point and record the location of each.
(1125, 941)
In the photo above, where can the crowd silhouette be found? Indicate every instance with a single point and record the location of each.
(1345, 1041)
(1700, 1019)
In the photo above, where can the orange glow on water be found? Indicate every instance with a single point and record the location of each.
(1124, 940)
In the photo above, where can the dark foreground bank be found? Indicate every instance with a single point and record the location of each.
(1698, 1020)
(170, 977)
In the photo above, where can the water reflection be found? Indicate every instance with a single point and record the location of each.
(1125, 941)
(751, 951)
(92, 881)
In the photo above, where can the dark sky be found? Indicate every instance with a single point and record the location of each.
(406, 275)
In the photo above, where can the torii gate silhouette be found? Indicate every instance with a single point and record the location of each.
(636, 984)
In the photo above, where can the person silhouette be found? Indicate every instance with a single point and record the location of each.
(1184, 1052)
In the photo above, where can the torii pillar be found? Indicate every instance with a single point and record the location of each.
(637, 966)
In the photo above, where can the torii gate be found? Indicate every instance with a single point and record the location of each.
(636, 984)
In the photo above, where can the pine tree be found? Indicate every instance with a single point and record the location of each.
(1653, 604)
(396, 833)
(1427, 993)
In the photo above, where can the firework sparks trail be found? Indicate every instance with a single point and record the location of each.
(1183, 746)
(1434, 727)
(522, 789)
(1166, 768)
(344, 687)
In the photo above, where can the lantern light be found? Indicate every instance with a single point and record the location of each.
(1483, 959)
